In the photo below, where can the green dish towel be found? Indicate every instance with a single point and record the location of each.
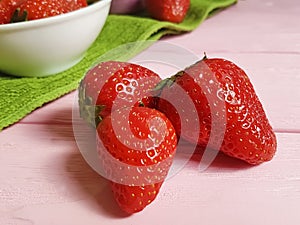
(20, 96)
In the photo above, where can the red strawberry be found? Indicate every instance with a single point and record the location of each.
(37, 9)
(7, 8)
(114, 84)
(168, 10)
(136, 147)
(228, 110)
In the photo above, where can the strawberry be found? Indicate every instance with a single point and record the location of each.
(111, 85)
(7, 8)
(136, 146)
(228, 110)
(168, 10)
(37, 9)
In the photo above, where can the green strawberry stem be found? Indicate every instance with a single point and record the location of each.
(19, 17)
(168, 82)
(87, 110)
(91, 1)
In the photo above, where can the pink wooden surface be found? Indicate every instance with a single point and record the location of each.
(44, 179)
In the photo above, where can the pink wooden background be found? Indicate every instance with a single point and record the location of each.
(44, 180)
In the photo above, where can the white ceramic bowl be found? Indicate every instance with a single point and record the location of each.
(51, 45)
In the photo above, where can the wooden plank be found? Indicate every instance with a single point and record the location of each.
(249, 26)
(45, 180)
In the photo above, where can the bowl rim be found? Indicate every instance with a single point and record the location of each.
(54, 19)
